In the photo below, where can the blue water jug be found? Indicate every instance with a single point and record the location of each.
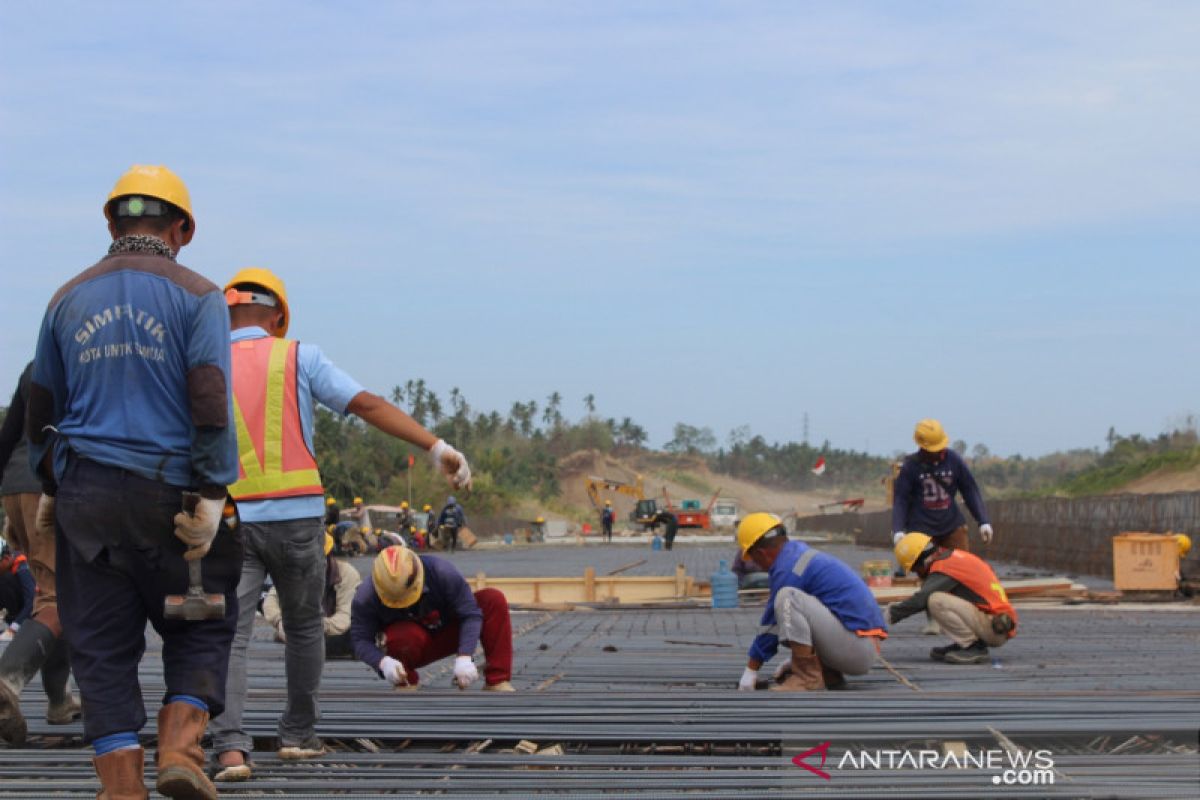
(508, 538)
(656, 542)
(724, 587)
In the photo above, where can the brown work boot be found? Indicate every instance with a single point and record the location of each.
(804, 676)
(121, 775)
(180, 758)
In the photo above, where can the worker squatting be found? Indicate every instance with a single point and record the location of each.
(128, 449)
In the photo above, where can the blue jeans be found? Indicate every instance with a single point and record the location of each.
(292, 553)
(117, 559)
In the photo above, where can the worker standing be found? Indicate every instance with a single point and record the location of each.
(818, 606)
(129, 407)
(606, 520)
(426, 611)
(923, 496)
(276, 381)
(38, 644)
(449, 521)
(961, 593)
(341, 582)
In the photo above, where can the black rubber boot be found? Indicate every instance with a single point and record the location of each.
(23, 657)
(63, 708)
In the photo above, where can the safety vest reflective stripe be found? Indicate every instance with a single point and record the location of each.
(263, 474)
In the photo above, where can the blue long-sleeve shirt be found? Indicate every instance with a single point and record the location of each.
(17, 593)
(452, 515)
(132, 369)
(829, 580)
(923, 495)
(446, 598)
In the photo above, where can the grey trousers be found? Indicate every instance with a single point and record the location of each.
(803, 619)
(291, 553)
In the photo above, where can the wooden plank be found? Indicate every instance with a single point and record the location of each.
(589, 585)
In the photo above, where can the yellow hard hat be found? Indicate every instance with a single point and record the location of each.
(268, 280)
(427, 507)
(910, 548)
(608, 502)
(330, 501)
(328, 544)
(357, 500)
(404, 504)
(398, 576)
(930, 436)
(754, 527)
(540, 520)
(157, 182)
(1184, 542)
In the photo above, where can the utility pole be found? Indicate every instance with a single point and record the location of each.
(805, 440)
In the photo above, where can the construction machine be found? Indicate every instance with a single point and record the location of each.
(848, 506)
(645, 510)
(689, 513)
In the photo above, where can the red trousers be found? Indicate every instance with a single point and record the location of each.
(413, 645)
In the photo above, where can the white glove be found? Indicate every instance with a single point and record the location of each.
(465, 672)
(14, 626)
(748, 681)
(985, 531)
(44, 521)
(896, 537)
(393, 671)
(197, 530)
(448, 460)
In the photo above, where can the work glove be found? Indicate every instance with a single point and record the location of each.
(453, 463)
(986, 533)
(896, 537)
(749, 680)
(393, 671)
(465, 672)
(43, 522)
(198, 529)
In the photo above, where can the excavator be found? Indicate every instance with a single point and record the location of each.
(644, 512)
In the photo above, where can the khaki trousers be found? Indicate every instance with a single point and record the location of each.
(22, 514)
(962, 621)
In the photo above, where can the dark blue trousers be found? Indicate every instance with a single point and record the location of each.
(118, 557)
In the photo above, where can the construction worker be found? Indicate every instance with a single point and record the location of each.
(276, 381)
(38, 643)
(670, 524)
(538, 530)
(924, 491)
(358, 513)
(341, 582)
(961, 593)
(426, 611)
(404, 519)
(819, 607)
(17, 590)
(449, 521)
(129, 407)
(606, 520)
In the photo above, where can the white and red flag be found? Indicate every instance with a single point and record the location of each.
(819, 467)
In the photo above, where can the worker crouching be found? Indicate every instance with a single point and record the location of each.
(819, 607)
(414, 610)
(961, 593)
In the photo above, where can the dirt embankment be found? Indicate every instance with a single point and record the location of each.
(1163, 482)
(681, 478)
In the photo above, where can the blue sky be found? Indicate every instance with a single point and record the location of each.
(718, 213)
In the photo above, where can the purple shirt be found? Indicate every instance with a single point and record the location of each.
(446, 599)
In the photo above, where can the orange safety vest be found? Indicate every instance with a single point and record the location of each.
(16, 563)
(974, 573)
(274, 458)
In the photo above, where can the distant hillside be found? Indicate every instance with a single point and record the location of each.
(1167, 463)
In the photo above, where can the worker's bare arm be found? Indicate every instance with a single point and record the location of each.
(376, 411)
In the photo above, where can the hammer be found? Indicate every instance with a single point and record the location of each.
(195, 605)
